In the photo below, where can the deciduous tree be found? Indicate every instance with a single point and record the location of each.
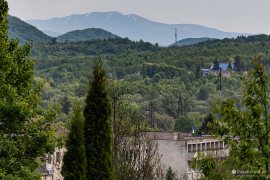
(135, 155)
(26, 131)
(245, 125)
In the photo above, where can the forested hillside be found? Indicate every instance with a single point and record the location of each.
(85, 35)
(19, 29)
(165, 83)
(190, 41)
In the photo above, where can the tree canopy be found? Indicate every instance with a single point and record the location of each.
(26, 131)
(245, 124)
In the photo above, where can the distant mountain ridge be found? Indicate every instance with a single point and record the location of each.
(132, 26)
(23, 31)
(85, 35)
(191, 41)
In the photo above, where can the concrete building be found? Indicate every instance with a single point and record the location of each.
(178, 149)
(51, 169)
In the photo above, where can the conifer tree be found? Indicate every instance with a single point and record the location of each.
(237, 63)
(215, 65)
(66, 105)
(170, 175)
(229, 66)
(75, 159)
(98, 132)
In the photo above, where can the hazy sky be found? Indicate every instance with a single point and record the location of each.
(251, 16)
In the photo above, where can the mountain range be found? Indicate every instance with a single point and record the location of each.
(25, 32)
(132, 26)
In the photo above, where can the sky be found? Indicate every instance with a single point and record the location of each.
(245, 16)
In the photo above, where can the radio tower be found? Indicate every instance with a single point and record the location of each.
(175, 37)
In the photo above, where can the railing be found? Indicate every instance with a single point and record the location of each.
(218, 153)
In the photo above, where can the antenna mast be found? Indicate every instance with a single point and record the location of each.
(175, 37)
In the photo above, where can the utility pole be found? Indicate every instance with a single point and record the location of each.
(180, 105)
(266, 61)
(266, 113)
(151, 110)
(220, 75)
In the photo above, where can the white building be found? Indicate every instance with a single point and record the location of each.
(178, 149)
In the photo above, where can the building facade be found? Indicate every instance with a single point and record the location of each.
(224, 69)
(178, 149)
(51, 169)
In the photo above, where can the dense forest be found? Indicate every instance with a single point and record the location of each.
(166, 83)
(25, 32)
(85, 35)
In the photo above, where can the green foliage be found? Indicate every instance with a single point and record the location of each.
(142, 68)
(203, 93)
(237, 64)
(205, 128)
(75, 164)
(24, 174)
(97, 129)
(66, 105)
(85, 35)
(26, 131)
(3, 20)
(135, 156)
(245, 125)
(215, 65)
(191, 41)
(184, 124)
(207, 166)
(18, 29)
(170, 175)
(151, 70)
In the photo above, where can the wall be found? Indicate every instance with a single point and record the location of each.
(174, 154)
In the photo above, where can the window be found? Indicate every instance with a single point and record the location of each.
(203, 147)
(208, 146)
(216, 145)
(194, 147)
(189, 148)
(198, 147)
(212, 145)
(221, 145)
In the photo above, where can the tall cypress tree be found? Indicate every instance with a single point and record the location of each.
(97, 129)
(75, 159)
